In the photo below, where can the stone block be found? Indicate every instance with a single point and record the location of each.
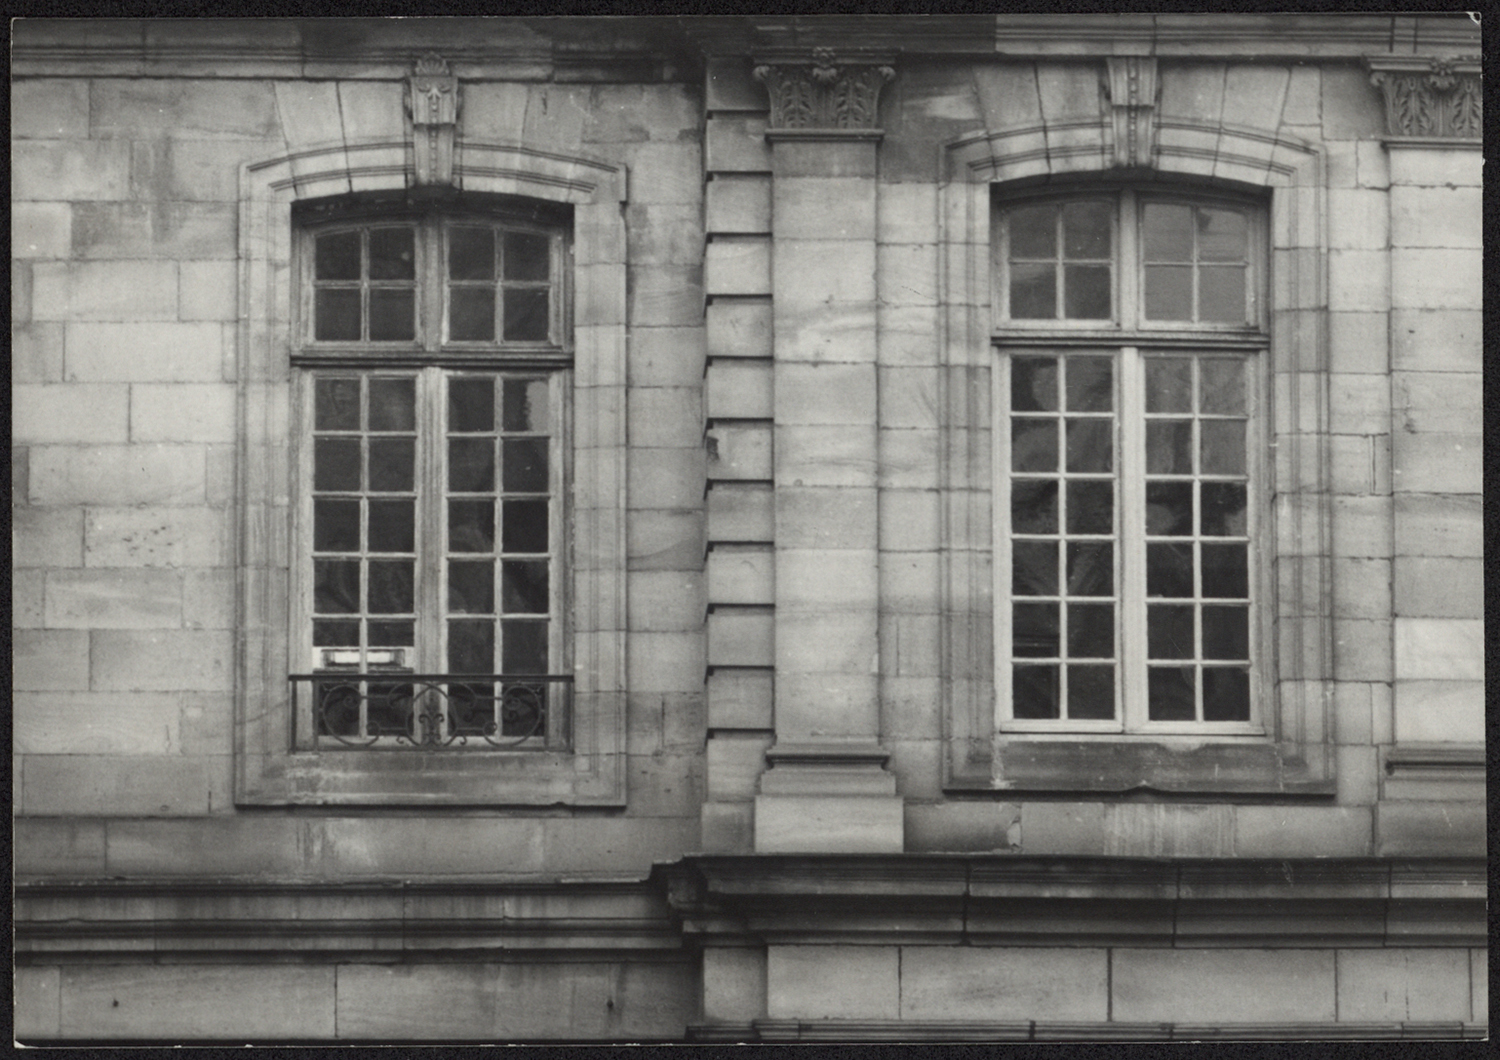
(610, 846)
(665, 172)
(961, 827)
(1062, 828)
(825, 517)
(909, 397)
(1439, 711)
(738, 451)
(739, 390)
(1435, 217)
(1361, 588)
(666, 295)
(1229, 986)
(738, 204)
(666, 478)
(741, 574)
(1437, 167)
(1358, 343)
(161, 660)
(105, 291)
(825, 208)
(50, 846)
(209, 291)
(739, 328)
(843, 824)
(825, 643)
(665, 785)
(156, 537)
(727, 827)
(826, 456)
(737, 265)
(823, 394)
(1430, 829)
(1436, 340)
(1362, 280)
(47, 660)
(1301, 831)
(823, 580)
(1359, 219)
(833, 982)
(740, 512)
(665, 234)
(734, 984)
(1403, 985)
(1362, 649)
(735, 763)
(21, 288)
(631, 113)
(36, 353)
(740, 699)
(49, 109)
(728, 85)
(1479, 989)
(1438, 402)
(909, 458)
(182, 412)
(113, 599)
(740, 636)
(119, 786)
(665, 601)
(1433, 463)
(1362, 527)
(1428, 587)
(816, 275)
(177, 230)
(40, 230)
(736, 144)
(666, 662)
(909, 520)
(1351, 110)
(1436, 279)
(117, 474)
(46, 537)
(1440, 649)
(1193, 91)
(93, 414)
(671, 357)
(94, 723)
(665, 417)
(1360, 404)
(994, 983)
(373, 110)
(26, 595)
(186, 109)
(69, 171)
(665, 540)
(836, 331)
(193, 170)
(38, 999)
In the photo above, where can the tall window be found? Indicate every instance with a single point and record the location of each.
(433, 382)
(1129, 453)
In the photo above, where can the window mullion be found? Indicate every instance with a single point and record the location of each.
(1127, 264)
(432, 506)
(1132, 477)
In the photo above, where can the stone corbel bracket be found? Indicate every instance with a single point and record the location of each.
(1430, 98)
(824, 97)
(432, 103)
(1131, 88)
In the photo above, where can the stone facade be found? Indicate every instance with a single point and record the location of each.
(784, 810)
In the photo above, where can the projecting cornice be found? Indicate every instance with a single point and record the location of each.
(1441, 98)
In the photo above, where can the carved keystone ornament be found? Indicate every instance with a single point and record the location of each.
(824, 95)
(432, 103)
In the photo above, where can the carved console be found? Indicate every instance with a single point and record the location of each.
(432, 103)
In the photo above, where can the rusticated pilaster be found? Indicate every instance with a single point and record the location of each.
(432, 102)
(1430, 97)
(824, 95)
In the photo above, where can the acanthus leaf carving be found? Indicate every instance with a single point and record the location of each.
(1440, 98)
(824, 94)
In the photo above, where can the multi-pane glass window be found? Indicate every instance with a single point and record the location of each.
(1129, 465)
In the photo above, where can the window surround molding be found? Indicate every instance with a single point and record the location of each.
(591, 771)
(1295, 758)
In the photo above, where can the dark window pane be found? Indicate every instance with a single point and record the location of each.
(1034, 631)
(527, 256)
(390, 587)
(1033, 568)
(1169, 384)
(471, 647)
(471, 587)
(471, 254)
(1091, 507)
(1086, 229)
(391, 635)
(336, 311)
(525, 647)
(1086, 292)
(393, 404)
(1226, 632)
(392, 254)
(1033, 691)
(1221, 383)
(1169, 509)
(392, 314)
(337, 404)
(1221, 294)
(1091, 569)
(336, 586)
(1169, 631)
(1033, 384)
(337, 703)
(1169, 447)
(1172, 693)
(1169, 232)
(1033, 445)
(1033, 232)
(1169, 570)
(1169, 292)
(336, 634)
(525, 526)
(1226, 694)
(471, 465)
(1033, 291)
(1223, 509)
(526, 314)
(1221, 235)
(471, 314)
(336, 464)
(1091, 692)
(335, 526)
(524, 710)
(337, 256)
(471, 404)
(471, 526)
(525, 462)
(392, 462)
(391, 526)
(1033, 506)
(526, 407)
(524, 587)
(1091, 445)
(1223, 447)
(471, 708)
(1225, 571)
(1091, 631)
(1091, 385)
(389, 710)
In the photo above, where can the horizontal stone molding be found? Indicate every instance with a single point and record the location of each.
(848, 1030)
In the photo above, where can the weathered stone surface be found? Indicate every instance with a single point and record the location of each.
(37, 1001)
(835, 824)
(182, 109)
(1450, 649)
(50, 660)
(735, 763)
(665, 478)
(993, 983)
(663, 417)
(1438, 402)
(1302, 831)
(1429, 587)
(739, 328)
(738, 204)
(1234, 986)
(671, 356)
(128, 786)
(1435, 217)
(40, 229)
(665, 600)
(737, 265)
(180, 231)
(741, 512)
(740, 637)
(740, 450)
(161, 660)
(1436, 463)
(117, 475)
(665, 540)
(105, 291)
(1358, 343)
(736, 144)
(1436, 340)
(156, 537)
(1434, 279)
(666, 662)
(1439, 711)
(738, 389)
(739, 699)
(734, 984)
(113, 599)
(1403, 985)
(95, 723)
(741, 574)
(69, 170)
(36, 353)
(1429, 828)
(842, 982)
(825, 517)
(184, 412)
(52, 414)
(1460, 167)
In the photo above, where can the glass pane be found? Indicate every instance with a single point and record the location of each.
(525, 462)
(1169, 232)
(527, 256)
(471, 314)
(1223, 447)
(525, 526)
(391, 526)
(337, 256)
(1226, 632)
(1087, 294)
(525, 647)
(392, 254)
(471, 254)
(1169, 292)
(389, 709)
(471, 526)
(1169, 384)
(1169, 631)
(1221, 385)
(1034, 630)
(391, 635)
(1086, 229)
(1223, 509)
(336, 464)
(337, 404)
(1221, 235)
(392, 314)
(525, 405)
(1225, 571)
(1091, 569)
(1172, 691)
(1033, 232)
(1090, 445)
(336, 634)
(392, 461)
(471, 647)
(393, 404)
(526, 314)
(1033, 384)
(1033, 445)
(336, 586)
(1090, 384)
(524, 588)
(1226, 694)
(1169, 509)
(471, 465)
(471, 404)
(1033, 291)
(335, 526)
(1091, 507)
(471, 587)
(1033, 506)
(1033, 692)
(336, 312)
(390, 587)
(1091, 631)
(1169, 447)
(1091, 692)
(1033, 568)
(1169, 570)
(1221, 294)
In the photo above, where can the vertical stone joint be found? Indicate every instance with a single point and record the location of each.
(824, 94)
(432, 104)
(1430, 97)
(1130, 89)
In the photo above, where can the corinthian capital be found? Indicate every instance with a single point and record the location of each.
(824, 95)
(1430, 97)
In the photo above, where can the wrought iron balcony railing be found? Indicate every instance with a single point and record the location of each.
(394, 710)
